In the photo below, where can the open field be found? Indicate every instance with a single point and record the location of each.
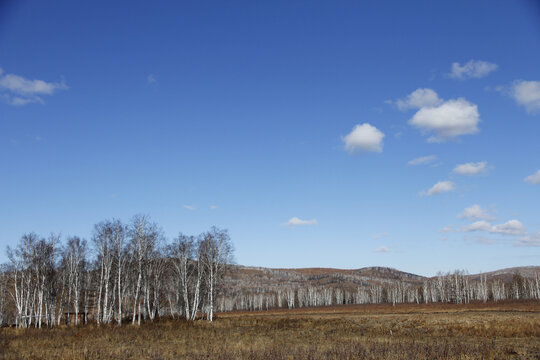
(505, 330)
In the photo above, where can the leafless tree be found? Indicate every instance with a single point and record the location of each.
(143, 237)
(104, 244)
(215, 256)
(199, 274)
(4, 275)
(74, 260)
(118, 232)
(181, 253)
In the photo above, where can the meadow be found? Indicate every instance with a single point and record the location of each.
(503, 330)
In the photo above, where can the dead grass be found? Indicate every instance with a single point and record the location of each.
(509, 330)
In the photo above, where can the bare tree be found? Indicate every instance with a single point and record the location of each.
(199, 273)
(74, 258)
(34, 265)
(215, 255)
(155, 271)
(118, 232)
(143, 237)
(181, 252)
(3, 292)
(103, 241)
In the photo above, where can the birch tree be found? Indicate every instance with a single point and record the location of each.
(103, 241)
(199, 277)
(215, 255)
(118, 234)
(155, 271)
(74, 258)
(143, 237)
(3, 292)
(181, 253)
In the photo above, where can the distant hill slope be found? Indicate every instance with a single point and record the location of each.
(508, 273)
(245, 278)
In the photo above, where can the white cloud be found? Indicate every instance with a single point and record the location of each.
(151, 79)
(472, 168)
(19, 85)
(472, 69)
(294, 221)
(382, 249)
(475, 212)
(17, 90)
(20, 101)
(189, 207)
(213, 207)
(527, 94)
(418, 99)
(481, 225)
(534, 178)
(448, 120)
(423, 160)
(511, 227)
(439, 188)
(364, 138)
(529, 240)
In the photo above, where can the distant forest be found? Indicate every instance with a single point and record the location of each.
(129, 273)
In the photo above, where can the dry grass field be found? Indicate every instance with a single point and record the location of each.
(507, 330)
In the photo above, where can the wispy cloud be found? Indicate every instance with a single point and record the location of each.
(511, 227)
(447, 229)
(418, 99)
(382, 249)
(18, 91)
(534, 178)
(189, 207)
(480, 225)
(151, 79)
(472, 168)
(527, 94)
(529, 240)
(213, 207)
(476, 212)
(439, 188)
(424, 160)
(295, 221)
(364, 137)
(472, 69)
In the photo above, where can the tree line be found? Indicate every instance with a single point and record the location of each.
(127, 272)
(457, 287)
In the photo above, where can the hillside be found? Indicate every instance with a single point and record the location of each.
(508, 273)
(256, 279)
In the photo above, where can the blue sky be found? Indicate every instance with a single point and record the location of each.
(295, 125)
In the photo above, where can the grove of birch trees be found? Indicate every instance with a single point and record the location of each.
(127, 272)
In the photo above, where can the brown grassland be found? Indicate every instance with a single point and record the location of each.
(505, 330)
